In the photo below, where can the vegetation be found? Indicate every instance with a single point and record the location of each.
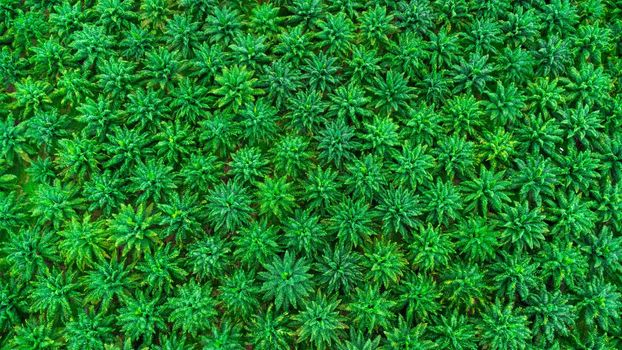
(310, 174)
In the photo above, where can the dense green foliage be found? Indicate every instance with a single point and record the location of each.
(310, 174)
